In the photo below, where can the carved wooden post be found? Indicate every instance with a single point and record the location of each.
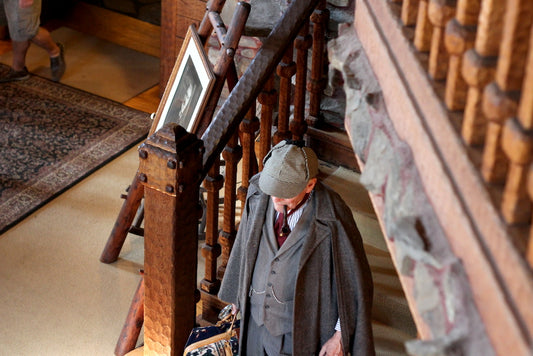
(500, 98)
(232, 154)
(439, 12)
(460, 36)
(409, 12)
(302, 43)
(424, 28)
(319, 18)
(286, 69)
(170, 168)
(479, 65)
(267, 99)
(517, 142)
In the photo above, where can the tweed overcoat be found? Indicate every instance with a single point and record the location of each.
(333, 278)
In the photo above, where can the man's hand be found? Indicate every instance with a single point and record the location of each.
(25, 3)
(332, 347)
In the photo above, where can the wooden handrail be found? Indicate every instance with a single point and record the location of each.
(251, 83)
(488, 83)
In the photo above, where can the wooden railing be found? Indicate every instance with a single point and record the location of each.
(465, 69)
(483, 50)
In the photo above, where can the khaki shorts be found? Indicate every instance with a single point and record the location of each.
(23, 24)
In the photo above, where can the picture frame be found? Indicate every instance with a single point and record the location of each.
(188, 86)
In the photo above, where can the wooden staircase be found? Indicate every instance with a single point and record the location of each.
(392, 321)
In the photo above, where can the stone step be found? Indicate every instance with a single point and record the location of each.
(389, 341)
(333, 146)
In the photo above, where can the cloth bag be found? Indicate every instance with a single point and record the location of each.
(217, 340)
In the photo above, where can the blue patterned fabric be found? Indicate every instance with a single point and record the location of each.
(216, 348)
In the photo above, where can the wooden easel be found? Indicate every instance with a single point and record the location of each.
(131, 214)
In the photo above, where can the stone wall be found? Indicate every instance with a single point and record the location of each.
(445, 312)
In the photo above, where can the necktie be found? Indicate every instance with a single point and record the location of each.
(281, 227)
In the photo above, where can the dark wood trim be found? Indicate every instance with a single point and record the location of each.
(176, 16)
(111, 26)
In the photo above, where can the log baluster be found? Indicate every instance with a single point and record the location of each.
(224, 69)
(316, 84)
(248, 128)
(517, 143)
(460, 35)
(424, 28)
(479, 65)
(134, 322)
(439, 12)
(267, 99)
(500, 98)
(206, 27)
(124, 221)
(302, 43)
(530, 191)
(285, 70)
(232, 154)
(409, 12)
(211, 249)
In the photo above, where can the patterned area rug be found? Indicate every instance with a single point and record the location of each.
(51, 137)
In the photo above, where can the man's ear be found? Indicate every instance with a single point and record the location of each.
(310, 185)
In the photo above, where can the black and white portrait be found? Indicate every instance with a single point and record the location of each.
(188, 86)
(184, 102)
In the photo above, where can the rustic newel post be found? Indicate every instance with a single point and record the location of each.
(170, 166)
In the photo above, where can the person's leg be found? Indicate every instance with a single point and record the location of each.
(24, 23)
(44, 40)
(3, 22)
(20, 48)
(18, 69)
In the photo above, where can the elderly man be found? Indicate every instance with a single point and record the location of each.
(298, 271)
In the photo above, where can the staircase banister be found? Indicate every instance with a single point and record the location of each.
(230, 115)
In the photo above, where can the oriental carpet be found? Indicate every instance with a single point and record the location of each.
(51, 137)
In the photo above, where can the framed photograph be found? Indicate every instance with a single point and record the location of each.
(189, 85)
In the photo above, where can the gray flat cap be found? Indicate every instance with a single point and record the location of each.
(287, 169)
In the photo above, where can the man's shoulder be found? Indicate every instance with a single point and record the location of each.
(253, 187)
